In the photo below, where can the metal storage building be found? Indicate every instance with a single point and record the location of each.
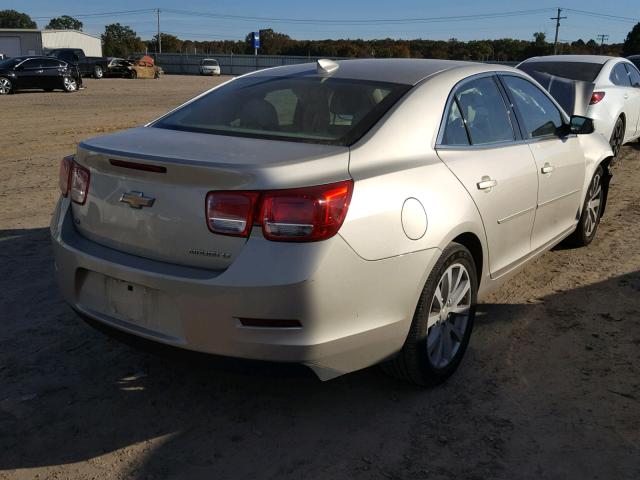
(21, 41)
(91, 44)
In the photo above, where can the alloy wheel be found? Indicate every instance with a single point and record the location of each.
(593, 205)
(5, 86)
(617, 137)
(448, 315)
(69, 84)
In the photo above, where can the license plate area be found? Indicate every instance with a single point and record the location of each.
(129, 301)
(134, 306)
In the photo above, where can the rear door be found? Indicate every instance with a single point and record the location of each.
(626, 95)
(51, 74)
(481, 146)
(634, 95)
(559, 159)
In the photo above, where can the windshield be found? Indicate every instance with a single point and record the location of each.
(209, 63)
(9, 62)
(582, 71)
(304, 109)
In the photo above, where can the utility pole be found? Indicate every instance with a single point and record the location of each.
(557, 18)
(159, 37)
(602, 37)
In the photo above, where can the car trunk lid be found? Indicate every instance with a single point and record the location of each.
(148, 188)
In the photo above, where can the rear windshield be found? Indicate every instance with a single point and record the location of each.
(209, 63)
(582, 71)
(303, 109)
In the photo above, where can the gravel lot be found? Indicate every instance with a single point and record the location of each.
(550, 387)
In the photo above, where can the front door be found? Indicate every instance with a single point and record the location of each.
(479, 145)
(559, 160)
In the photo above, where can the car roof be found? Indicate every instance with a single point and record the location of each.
(601, 59)
(393, 70)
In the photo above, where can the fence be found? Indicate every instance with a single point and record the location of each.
(186, 64)
(229, 64)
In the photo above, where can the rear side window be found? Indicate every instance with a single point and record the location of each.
(619, 76)
(634, 75)
(540, 116)
(50, 63)
(483, 111)
(455, 133)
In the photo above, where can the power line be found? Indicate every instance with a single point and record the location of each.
(387, 21)
(102, 14)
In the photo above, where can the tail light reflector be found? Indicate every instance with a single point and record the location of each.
(296, 215)
(80, 178)
(64, 174)
(231, 213)
(596, 97)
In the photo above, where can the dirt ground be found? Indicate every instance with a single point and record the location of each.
(549, 389)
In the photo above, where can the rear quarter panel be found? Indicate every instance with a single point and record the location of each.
(396, 161)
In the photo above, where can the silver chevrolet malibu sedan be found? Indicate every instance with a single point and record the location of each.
(337, 214)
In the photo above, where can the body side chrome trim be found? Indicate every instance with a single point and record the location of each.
(515, 215)
(543, 204)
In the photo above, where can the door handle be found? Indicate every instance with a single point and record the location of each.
(486, 184)
(547, 168)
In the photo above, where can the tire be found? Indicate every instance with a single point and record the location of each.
(98, 73)
(423, 359)
(617, 137)
(591, 211)
(69, 84)
(6, 87)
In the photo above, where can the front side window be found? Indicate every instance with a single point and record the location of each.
(31, 64)
(483, 111)
(619, 76)
(540, 115)
(303, 108)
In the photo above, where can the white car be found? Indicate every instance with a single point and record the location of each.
(610, 84)
(209, 66)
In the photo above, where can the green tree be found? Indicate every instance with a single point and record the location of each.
(631, 45)
(15, 19)
(170, 44)
(65, 22)
(121, 41)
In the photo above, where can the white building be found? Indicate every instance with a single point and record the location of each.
(15, 42)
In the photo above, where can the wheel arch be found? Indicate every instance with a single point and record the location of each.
(474, 245)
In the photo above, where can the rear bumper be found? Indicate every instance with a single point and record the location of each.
(353, 313)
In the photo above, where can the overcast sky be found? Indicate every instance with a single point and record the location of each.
(327, 18)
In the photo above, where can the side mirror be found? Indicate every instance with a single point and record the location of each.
(581, 125)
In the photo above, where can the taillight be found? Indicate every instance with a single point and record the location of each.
(63, 175)
(231, 213)
(295, 215)
(79, 183)
(596, 97)
(305, 214)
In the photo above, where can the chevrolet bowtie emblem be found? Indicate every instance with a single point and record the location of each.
(137, 199)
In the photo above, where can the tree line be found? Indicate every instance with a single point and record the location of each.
(121, 41)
